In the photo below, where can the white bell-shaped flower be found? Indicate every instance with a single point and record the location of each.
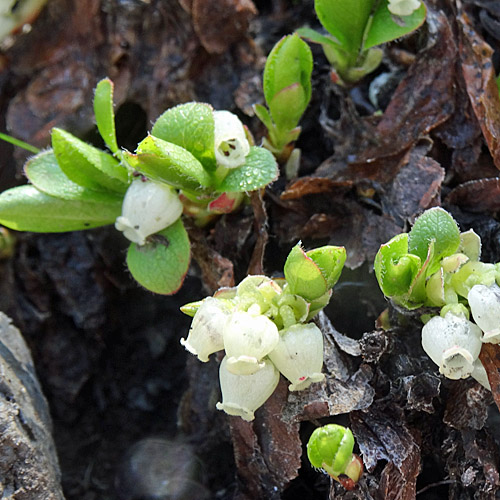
(243, 394)
(453, 343)
(479, 373)
(403, 7)
(247, 339)
(148, 207)
(205, 335)
(484, 302)
(231, 144)
(299, 355)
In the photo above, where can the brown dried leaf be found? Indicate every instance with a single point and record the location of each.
(217, 271)
(467, 405)
(490, 358)
(382, 435)
(219, 23)
(425, 97)
(479, 75)
(267, 451)
(256, 265)
(477, 196)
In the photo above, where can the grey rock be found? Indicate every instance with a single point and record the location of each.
(29, 468)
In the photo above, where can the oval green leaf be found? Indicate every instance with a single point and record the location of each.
(25, 208)
(190, 126)
(167, 162)
(435, 225)
(259, 170)
(162, 264)
(346, 20)
(45, 174)
(87, 165)
(330, 260)
(104, 113)
(386, 27)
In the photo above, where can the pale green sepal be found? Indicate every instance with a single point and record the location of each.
(470, 244)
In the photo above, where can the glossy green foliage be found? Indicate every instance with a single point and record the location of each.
(190, 126)
(355, 28)
(433, 265)
(287, 89)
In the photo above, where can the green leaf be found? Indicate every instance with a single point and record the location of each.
(386, 27)
(287, 106)
(166, 162)
(45, 174)
(330, 260)
(259, 170)
(263, 115)
(346, 20)
(24, 208)
(435, 225)
(303, 275)
(290, 62)
(395, 268)
(104, 114)
(160, 266)
(86, 165)
(190, 126)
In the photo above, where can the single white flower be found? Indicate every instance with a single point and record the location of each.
(231, 144)
(403, 7)
(148, 207)
(243, 394)
(205, 335)
(453, 343)
(484, 302)
(299, 355)
(247, 339)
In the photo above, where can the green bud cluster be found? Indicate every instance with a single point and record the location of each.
(264, 326)
(435, 265)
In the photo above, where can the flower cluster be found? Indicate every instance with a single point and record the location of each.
(264, 326)
(403, 7)
(437, 266)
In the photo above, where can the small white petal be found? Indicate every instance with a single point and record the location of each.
(231, 144)
(205, 335)
(299, 355)
(403, 7)
(479, 373)
(243, 394)
(484, 302)
(148, 207)
(247, 339)
(453, 343)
